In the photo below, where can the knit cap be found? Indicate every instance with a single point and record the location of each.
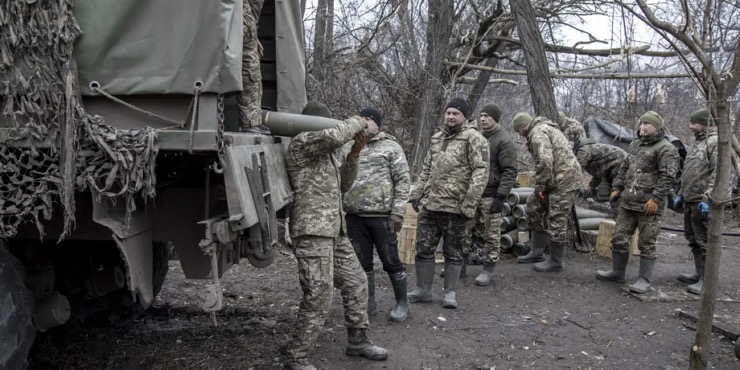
(460, 105)
(701, 117)
(492, 110)
(520, 120)
(652, 118)
(314, 108)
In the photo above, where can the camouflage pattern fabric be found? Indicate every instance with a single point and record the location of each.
(627, 222)
(648, 173)
(250, 99)
(321, 262)
(695, 227)
(383, 181)
(551, 215)
(502, 168)
(319, 175)
(556, 167)
(572, 130)
(455, 171)
(486, 233)
(601, 161)
(700, 166)
(455, 229)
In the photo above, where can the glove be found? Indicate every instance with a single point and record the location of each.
(415, 204)
(651, 208)
(614, 195)
(677, 202)
(395, 223)
(704, 210)
(497, 206)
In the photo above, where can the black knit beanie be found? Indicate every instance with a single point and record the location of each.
(460, 105)
(372, 113)
(314, 108)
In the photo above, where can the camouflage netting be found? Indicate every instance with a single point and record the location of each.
(56, 147)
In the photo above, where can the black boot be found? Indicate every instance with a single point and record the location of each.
(698, 287)
(463, 272)
(540, 239)
(698, 266)
(555, 262)
(619, 266)
(359, 345)
(372, 306)
(451, 277)
(400, 311)
(646, 274)
(424, 278)
(486, 275)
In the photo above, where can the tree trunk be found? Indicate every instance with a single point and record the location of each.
(438, 33)
(481, 83)
(321, 41)
(538, 73)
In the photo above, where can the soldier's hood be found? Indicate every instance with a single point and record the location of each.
(542, 121)
(658, 136)
(382, 136)
(467, 125)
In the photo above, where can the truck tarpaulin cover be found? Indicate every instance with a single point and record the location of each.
(611, 133)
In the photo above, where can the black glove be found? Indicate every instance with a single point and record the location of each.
(415, 204)
(395, 223)
(497, 206)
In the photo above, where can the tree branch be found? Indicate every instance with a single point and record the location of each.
(606, 75)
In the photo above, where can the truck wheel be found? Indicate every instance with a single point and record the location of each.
(16, 311)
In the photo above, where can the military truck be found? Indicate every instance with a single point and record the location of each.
(119, 146)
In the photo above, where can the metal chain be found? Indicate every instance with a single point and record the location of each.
(220, 142)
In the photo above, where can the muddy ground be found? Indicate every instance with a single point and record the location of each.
(525, 320)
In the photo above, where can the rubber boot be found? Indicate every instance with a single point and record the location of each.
(451, 278)
(401, 309)
(555, 262)
(540, 239)
(486, 275)
(643, 279)
(698, 266)
(359, 345)
(424, 279)
(697, 287)
(619, 266)
(372, 306)
(463, 272)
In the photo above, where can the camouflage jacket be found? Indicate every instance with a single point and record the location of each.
(648, 173)
(502, 166)
(382, 183)
(319, 175)
(700, 167)
(455, 171)
(556, 167)
(573, 130)
(601, 161)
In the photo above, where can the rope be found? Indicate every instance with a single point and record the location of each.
(194, 117)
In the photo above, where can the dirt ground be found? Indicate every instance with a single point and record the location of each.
(525, 320)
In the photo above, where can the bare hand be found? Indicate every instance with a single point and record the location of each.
(360, 141)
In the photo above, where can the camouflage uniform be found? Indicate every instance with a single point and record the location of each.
(571, 128)
(601, 161)
(250, 99)
(697, 182)
(557, 176)
(452, 180)
(318, 175)
(648, 173)
(501, 177)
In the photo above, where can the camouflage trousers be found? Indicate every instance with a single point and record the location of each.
(455, 229)
(321, 262)
(486, 232)
(695, 228)
(250, 99)
(552, 214)
(627, 222)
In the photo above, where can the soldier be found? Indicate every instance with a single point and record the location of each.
(451, 182)
(642, 184)
(250, 99)
(557, 180)
(501, 177)
(601, 161)
(571, 128)
(318, 233)
(375, 206)
(697, 182)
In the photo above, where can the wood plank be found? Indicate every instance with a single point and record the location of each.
(604, 239)
(727, 325)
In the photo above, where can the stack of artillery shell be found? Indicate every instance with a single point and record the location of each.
(515, 222)
(588, 219)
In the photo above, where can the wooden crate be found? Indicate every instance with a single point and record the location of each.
(525, 179)
(407, 244)
(410, 217)
(604, 240)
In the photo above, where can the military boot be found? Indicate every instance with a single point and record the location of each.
(451, 278)
(359, 345)
(555, 262)
(424, 278)
(643, 279)
(698, 266)
(372, 306)
(463, 272)
(400, 311)
(540, 238)
(619, 266)
(486, 275)
(698, 287)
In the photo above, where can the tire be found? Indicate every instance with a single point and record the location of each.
(16, 313)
